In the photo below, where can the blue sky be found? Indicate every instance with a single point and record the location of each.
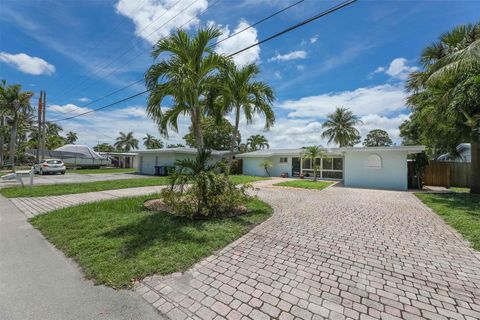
(357, 57)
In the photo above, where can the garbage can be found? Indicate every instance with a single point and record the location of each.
(158, 170)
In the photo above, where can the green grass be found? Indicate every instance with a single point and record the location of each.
(304, 184)
(103, 170)
(459, 210)
(117, 241)
(239, 179)
(456, 189)
(71, 188)
(4, 173)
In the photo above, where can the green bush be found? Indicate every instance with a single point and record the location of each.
(199, 190)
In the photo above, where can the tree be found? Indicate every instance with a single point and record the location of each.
(150, 142)
(266, 164)
(126, 142)
(444, 95)
(175, 145)
(187, 77)
(104, 147)
(242, 94)
(217, 134)
(377, 138)
(340, 128)
(312, 153)
(257, 142)
(15, 104)
(71, 137)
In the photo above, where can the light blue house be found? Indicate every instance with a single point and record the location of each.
(367, 167)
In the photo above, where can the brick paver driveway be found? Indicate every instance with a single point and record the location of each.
(337, 253)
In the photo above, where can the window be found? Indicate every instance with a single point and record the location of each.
(374, 161)
(327, 163)
(332, 175)
(283, 160)
(337, 164)
(306, 164)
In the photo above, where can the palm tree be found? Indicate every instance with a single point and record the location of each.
(449, 85)
(71, 137)
(15, 104)
(187, 77)
(340, 128)
(126, 142)
(257, 142)
(241, 94)
(312, 153)
(266, 164)
(150, 142)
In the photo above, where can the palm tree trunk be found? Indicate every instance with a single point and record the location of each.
(475, 178)
(197, 123)
(2, 142)
(13, 140)
(234, 136)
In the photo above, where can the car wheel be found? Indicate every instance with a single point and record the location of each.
(63, 172)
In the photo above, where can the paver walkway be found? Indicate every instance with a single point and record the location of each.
(337, 253)
(32, 206)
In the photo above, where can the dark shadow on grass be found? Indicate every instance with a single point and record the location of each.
(467, 202)
(161, 228)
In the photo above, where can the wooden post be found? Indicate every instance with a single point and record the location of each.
(44, 132)
(39, 135)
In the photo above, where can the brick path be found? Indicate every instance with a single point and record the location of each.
(37, 205)
(338, 253)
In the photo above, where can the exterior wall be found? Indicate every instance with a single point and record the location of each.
(148, 161)
(391, 175)
(251, 167)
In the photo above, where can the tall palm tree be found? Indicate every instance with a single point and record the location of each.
(257, 142)
(340, 127)
(150, 142)
(449, 85)
(15, 105)
(126, 142)
(71, 137)
(312, 153)
(242, 94)
(187, 77)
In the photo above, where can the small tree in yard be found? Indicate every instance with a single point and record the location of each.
(312, 153)
(266, 164)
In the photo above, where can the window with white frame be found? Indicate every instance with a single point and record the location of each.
(283, 160)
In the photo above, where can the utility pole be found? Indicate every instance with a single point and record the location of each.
(44, 133)
(39, 136)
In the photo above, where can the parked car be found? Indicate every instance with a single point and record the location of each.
(49, 166)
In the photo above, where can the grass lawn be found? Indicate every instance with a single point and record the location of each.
(459, 210)
(70, 188)
(103, 170)
(239, 179)
(304, 184)
(117, 241)
(456, 189)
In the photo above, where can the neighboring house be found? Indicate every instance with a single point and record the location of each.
(149, 159)
(368, 167)
(122, 159)
(464, 151)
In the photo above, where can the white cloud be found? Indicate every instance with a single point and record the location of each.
(299, 54)
(153, 14)
(28, 64)
(239, 42)
(84, 99)
(381, 99)
(313, 39)
(300, 67)
(398, 69)
(69, 108)
(277, 75)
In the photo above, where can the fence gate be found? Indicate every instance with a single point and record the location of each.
(448, 174)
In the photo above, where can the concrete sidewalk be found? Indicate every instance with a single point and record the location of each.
(32, 206)
(38, 282)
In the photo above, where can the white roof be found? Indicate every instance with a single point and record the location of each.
(82, 150)
(180, 150)
(265, 153)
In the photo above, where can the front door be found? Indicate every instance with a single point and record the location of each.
(295, 167)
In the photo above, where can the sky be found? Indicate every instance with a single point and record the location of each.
(359, 57)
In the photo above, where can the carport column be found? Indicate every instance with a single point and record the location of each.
(301, 165)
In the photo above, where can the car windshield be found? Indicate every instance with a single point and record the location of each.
(54, 162)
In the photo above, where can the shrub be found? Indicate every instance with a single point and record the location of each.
(199, 190)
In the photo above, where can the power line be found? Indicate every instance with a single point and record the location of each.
(302, 23)
(71, 89)
(215, 44)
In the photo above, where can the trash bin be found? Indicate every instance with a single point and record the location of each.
(158, 170)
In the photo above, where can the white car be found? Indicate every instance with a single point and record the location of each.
(49, 166)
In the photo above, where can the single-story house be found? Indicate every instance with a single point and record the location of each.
(464, 154)
(149, 159)
(366, 167)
